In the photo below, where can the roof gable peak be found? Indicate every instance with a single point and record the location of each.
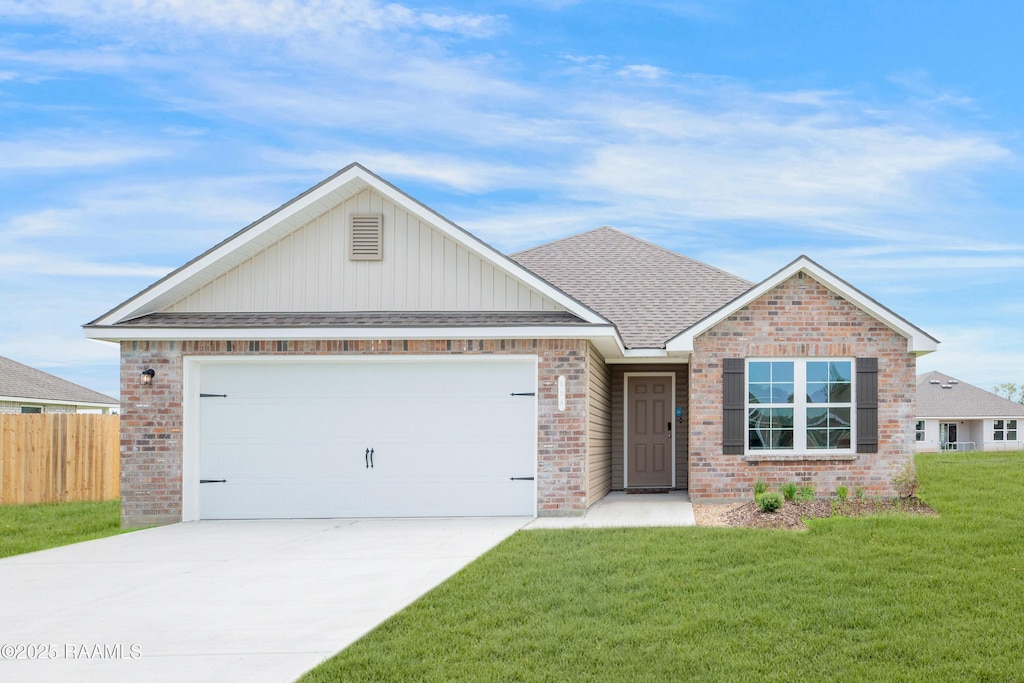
(918, 341)
(299, 212)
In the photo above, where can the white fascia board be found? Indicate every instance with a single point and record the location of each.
(361, 333)
(1001, 416)
(294, 213)
(55, 402)
(919, 342)
(650, 360)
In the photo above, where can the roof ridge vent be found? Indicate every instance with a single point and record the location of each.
(365, 237)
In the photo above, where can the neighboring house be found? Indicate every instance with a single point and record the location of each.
(353, 353)
(24, 389)
(955, 415)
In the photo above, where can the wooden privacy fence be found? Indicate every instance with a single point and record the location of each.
(59, 458)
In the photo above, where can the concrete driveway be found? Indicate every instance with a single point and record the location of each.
(216, 601)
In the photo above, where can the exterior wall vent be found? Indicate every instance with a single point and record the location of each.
(365, 238)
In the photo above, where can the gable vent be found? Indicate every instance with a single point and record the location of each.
(365, 238)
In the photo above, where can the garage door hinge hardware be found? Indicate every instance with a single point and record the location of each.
(526, 393)
(520, 478)
(213, 481)
(369, 458)
(213, 395)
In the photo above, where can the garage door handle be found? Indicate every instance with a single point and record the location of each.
(520, 478)
(369, 458)
(213, 481)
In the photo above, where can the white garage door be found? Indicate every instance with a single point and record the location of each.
(367, 438)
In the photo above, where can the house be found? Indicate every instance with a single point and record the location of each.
(24, 389)
(955, 415)
(354, 353)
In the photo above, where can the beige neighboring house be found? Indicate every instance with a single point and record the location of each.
(24, 389)
(957, 416)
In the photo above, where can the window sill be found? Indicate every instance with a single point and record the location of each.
(800, 457)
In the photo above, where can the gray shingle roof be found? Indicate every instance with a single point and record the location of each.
(368, 319)
(650, 293)
(21, 381)
(960, 399)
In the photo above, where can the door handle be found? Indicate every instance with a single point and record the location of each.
(368, 457)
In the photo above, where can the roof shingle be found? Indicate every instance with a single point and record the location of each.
(960, 399)
(650, 293)
(21, 381)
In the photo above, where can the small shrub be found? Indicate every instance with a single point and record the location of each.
(806, 493)
(841, 493)
(905, 480)
(759, 488)
(859, 493)
(789, 490)
(769, 501)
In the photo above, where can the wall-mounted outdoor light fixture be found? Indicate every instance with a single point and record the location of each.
(146, 377)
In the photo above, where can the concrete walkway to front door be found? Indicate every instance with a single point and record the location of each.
(222, 601)
(620, 509)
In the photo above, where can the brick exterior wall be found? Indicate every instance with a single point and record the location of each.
(152, 417)
(799, 318)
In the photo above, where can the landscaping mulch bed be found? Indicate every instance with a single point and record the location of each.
(792, 515)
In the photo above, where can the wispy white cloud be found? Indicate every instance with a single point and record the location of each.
(65, 150)
(756, 163)
(276, 18)
(444, 170)
(646, 72)
(57, 264)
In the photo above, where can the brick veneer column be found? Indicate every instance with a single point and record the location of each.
(151, 419)
(799, 318)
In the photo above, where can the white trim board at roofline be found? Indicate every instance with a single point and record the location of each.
(56, 402)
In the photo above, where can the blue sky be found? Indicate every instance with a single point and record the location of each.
(883, 139)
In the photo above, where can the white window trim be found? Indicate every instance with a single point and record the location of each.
(800, 406)
(920, 434)
(1003, 434)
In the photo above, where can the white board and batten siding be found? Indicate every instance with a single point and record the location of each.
(309, 270)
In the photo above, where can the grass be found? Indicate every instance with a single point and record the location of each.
(26, 528)
(887, 598)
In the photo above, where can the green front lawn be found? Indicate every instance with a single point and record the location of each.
(892, 598)
(25, 528)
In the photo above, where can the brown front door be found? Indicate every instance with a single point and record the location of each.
(649, 404)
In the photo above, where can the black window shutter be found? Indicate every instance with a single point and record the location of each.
(867, 405)
(734, 392)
